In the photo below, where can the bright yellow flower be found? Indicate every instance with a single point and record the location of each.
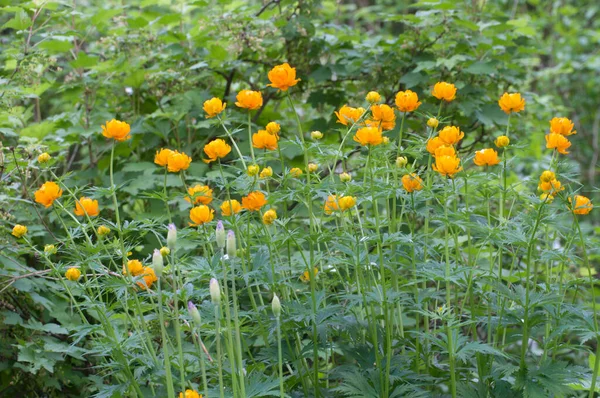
(445, 150)
(116, 130)
(273, 128)
(201, 215)
(447, 166)
(19, 231)
(283, 77)
(296, 172)
(502, 141)
(264, 140)
(134, 267)
(313, 167)
(433, 144)
(230, 207)
(305, 277)
(451, 135)
(86, 206)
(266, 172)
(368, 136)
(254, 201)
(348, 115)
(433, 122)
(412, 182)
(343, 203)
(382, 117)
(103, 230)
(249, 99)
(346, 202)
(562, 126)
(444, 91)
(547, 176)
(148, 276)
(582, 205)
(178, 161)
(510, 103)
(373, 97)
(190, 394)
(48, 193)
(200, 194)
(551, 187)
(162, 157)
(252, 170)
(216, 149)
(269, 216)
(486, 157)
(213, 107)
(407, 101)
(43, 158)
(73, 274)
(558, 142)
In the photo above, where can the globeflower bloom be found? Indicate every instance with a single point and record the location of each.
(190, 393)
(273, 128)
(296, 172)
(162, 157)
(412, 182)
(305, 277)
(346, 202)
(383, 117)
(73, 274)
(451, 135)
(216, 149)
(86, 206)
(254, 201)
(368, 136)
(213, 107)
(178, 161)
(264, 140)
(486, 157)
(148, 278)
(103, 230)
(502, 141)
(447, 166)
(547, 176)
(510, 103)
(201, 215)
(230, 207)
(19, 231)
(43, 158)
(282, 77)
(199, 194)
(552, 187)
(407, 101)
(48, 193)
(582, 204)
(433, 122)
(373, 97)
(445, 151)
(444, 91)
(348, 115)
(433, 144)
(313, 167)
(116, 130)
(558, 142)
(269, 216)
(133, 267)
(266, 172)
(249, 99)
(562, 126)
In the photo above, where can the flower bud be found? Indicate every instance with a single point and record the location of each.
(220, 235)
(165, 251)
(295, 172)
(502, 141)
(276, 306)
(103, 230)
(215, 291)
(171, 236)
(50, 249)
(433, 122)
(316, 135)
(345, 177)
(373, 97)
(158, 263)
(401, 161)
(252, 170)
(194, 314)
(386, 140)
(266, 172)
(231, 246)
(43, 158)
(313, 167)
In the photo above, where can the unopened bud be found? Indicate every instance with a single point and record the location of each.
(276, 306)
(194, 314)
(220, 235)
(171, 236)
(433, 122)
(215, 291)
(50, 249)
(345, 177)
(401, 161)
(231, 246)
(158, 263)
(316, 135)
(252, 170)
(165, 251)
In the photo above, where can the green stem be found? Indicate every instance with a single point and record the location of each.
(169, 378)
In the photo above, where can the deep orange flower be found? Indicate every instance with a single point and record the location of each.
(444, 91)
(133, 267)
(447, 166)
(148, 276)
(190, 394)
(48, 193)
(264, 140)
(116, 130)
(562, 126)
(254, 201)
(383, 117)
(368, 136)
(433, 144)
(199, 194)
(451, 135)
(558, 142)
(216, 149)
(510, 103)
(213, 107)
(178, 161)
(445, 150)
(249, 99)
(412, 182)
(486, 157)
(582, 204)
(162, 157)
(201, 215)
(230, 207)
(552, 187)
(86, 205)
(348, 115)
(283, 77)
(407, 101)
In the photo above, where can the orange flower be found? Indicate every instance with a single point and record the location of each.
(412, 182)
(444, 91)
(200, 194)
(558, 142)
(264, 140)
(382, 116)
(445, 151)
(486, 157)
(451, 135)
(86, 206)
(230, 207)
(249, 99)
(552, 187)
(213, 107)
(216, 149)
(201, 215)
(582, 204)
(331, 204)
(305, 277)
(133, 267)
(511, 103)
(116, 130)
(254, 201)
(433, 144)
(343, 203)
(48, 193)
(273, 128)
(562, 126)
(190, 394)
(447, 166)
(368, 136)
(407, 101)
(178, 161)
(348, 115)
(162, 157)
(148, 276)
(283, 77)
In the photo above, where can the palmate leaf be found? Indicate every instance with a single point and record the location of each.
(549, 379)
(259, 385)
